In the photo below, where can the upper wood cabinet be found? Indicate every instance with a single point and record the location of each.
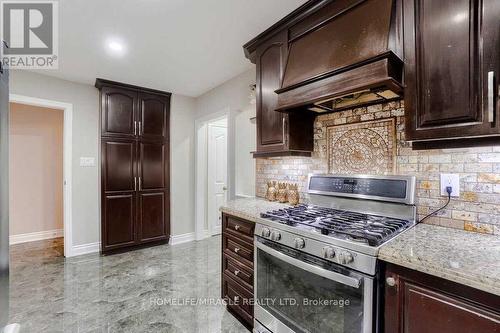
(420, 303)
(452, 63)
(277, 132)
(131, 113)
(119, 106)
(153, 116)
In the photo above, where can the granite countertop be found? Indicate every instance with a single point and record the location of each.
(468, 258)
(250, 208)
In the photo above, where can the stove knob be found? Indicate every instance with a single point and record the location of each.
(328, 252)
(265, 232)
(275, 236)
(345, 258)
(299, 243)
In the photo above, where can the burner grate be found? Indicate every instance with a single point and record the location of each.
(370, 229)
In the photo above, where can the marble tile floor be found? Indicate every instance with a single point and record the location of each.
(148, 290)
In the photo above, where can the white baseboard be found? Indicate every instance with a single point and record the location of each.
(183, 238)
(35, 236)
(79, 250)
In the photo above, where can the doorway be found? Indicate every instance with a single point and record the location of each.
(40, 172)
(214, 174)
(35, 174)
(217, 173)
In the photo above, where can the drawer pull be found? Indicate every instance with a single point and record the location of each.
(236, 227)
(391, 282)
(236, 249)
(236, 272)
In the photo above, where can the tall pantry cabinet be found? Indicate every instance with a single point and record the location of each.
(135, 166)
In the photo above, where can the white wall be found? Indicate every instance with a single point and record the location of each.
(182, 161)
(86, 182)
(36, 169)
(234, 94)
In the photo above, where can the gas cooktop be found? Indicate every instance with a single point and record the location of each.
(358, 227)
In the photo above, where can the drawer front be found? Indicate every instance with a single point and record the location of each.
(239, 227)
(239, 272)
(238, 249)
(238, 299)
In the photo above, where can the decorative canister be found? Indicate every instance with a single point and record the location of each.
(271, 191)
(293, 194)
(282, 192)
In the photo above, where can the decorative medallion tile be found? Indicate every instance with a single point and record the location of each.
(366, 148)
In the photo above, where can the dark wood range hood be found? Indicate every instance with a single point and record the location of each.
(341, 54)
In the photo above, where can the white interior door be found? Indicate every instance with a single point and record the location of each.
(217, 174)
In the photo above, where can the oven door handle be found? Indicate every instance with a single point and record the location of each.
(346, 280)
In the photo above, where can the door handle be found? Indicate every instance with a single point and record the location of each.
(491, 97)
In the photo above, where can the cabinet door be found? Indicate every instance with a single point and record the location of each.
(153, 191)
(271, 125)
(154, 112)
(418, 303)
(153, 216)
(118, 193)
(118, 109)
(153, 170)
(446, 70)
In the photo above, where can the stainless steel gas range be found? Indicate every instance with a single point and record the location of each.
(316, 265)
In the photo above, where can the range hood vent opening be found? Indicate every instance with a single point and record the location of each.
(351, 100)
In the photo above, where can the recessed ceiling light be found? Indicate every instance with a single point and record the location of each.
(115, 47)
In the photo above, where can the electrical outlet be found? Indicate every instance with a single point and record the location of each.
(453, 180)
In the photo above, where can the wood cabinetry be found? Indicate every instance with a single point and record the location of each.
(419, 303)
(237, 267)
(135, 200)
(452, 63)
(278, 133)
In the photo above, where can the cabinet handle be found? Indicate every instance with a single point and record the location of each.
(140, 184)
(236, 272)
(491, 96)
(135, 183)
(236, 227)
(390, 281)
(236, 249)
(135, 127)
(140, 128)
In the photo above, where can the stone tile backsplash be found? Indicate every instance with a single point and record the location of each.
(478, 207)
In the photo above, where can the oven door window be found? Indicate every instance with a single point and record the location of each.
(309, 294)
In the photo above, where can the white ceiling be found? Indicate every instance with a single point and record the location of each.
(184, 46)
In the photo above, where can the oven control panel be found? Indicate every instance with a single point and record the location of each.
(339, 255)
(383, 188)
